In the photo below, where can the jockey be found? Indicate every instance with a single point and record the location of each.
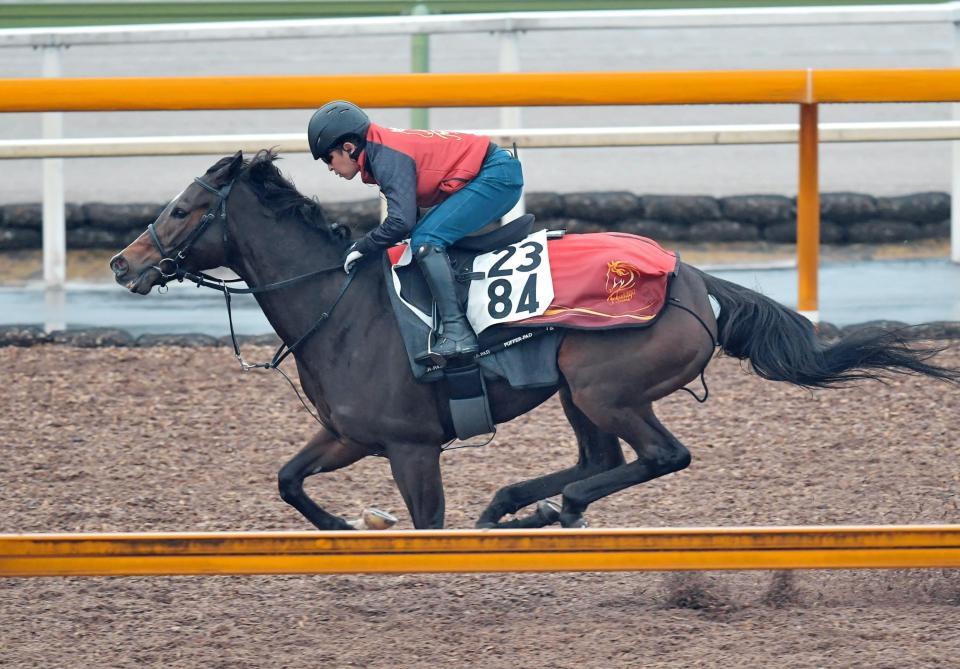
(466, 179)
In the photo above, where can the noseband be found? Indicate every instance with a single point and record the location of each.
(217, 210)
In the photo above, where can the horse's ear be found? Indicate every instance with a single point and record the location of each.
(225, 169)
(236, 163)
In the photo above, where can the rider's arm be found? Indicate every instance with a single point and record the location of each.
(396, 173)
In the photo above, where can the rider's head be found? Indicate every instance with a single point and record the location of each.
(337, 134)
(341, 161)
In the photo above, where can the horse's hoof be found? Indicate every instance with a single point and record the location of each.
(485, 525)
(573, 521)
(373, 519)
(549, 511)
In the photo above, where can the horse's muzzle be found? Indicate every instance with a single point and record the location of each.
(119, 265)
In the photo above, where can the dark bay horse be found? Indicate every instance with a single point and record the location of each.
(244, 215)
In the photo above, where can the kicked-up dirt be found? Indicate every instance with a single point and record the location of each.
(177, 439)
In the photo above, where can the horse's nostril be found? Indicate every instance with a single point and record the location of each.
(119, 266)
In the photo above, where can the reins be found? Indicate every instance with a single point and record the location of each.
(207, 281)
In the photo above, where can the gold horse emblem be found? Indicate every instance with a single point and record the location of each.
(621, 281)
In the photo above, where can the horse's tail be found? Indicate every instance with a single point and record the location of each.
(782, 345)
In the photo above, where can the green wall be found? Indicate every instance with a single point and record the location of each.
(82, 12)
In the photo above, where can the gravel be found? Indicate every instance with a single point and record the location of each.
(177, 439)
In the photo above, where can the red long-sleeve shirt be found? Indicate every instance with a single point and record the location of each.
(415, 168)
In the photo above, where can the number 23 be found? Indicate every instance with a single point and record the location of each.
(533, 258)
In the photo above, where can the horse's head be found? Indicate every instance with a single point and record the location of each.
(189, 234)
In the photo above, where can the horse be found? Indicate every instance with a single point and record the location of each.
(243, 214)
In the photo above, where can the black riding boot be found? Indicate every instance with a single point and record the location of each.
(455, 337)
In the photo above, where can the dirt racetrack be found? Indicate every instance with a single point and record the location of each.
(175, 439)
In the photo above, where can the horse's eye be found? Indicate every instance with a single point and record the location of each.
(179, 213)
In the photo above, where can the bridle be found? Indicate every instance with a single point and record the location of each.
(218, 210)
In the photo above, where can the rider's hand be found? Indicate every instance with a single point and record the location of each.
(352, 255)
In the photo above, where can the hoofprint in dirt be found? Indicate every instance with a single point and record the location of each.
(176, 439)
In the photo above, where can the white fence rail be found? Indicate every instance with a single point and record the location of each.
(542, 138)
(508, 22)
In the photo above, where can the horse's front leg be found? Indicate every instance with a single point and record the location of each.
(416, 471)
(323, 453)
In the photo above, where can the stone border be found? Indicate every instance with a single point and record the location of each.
(34, 335)
(846, 218)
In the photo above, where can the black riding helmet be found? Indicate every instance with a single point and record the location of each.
(333, 121)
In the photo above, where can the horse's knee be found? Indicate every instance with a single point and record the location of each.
(675, 457)
(290, 484)
(662, 450)
(683, 458)
(668, 457)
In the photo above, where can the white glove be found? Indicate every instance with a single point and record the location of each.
(352, 256)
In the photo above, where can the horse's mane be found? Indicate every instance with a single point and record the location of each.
(281, 197)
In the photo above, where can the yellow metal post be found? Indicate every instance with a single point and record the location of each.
(808, 216)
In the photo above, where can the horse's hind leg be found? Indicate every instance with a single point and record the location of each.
(598, 451)
(658, 453)
(324, 453)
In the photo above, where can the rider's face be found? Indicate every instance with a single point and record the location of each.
(342, 164)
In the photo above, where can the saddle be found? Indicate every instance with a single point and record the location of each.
(497, 238)
(517, 297)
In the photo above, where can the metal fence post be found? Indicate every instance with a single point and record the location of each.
(510, 116)
(955, 177)
(808, 215)
(54, 218)
(420, 62)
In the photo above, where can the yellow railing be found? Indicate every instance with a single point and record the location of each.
(482, 90)
(807, 88)
(549, 550)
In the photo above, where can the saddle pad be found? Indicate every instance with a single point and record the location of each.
(524, 357)
(597, 281)
(606, 280)
(505, 286)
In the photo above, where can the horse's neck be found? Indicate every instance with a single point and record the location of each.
(270, 251)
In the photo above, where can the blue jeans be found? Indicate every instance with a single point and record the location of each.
(491, 194)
